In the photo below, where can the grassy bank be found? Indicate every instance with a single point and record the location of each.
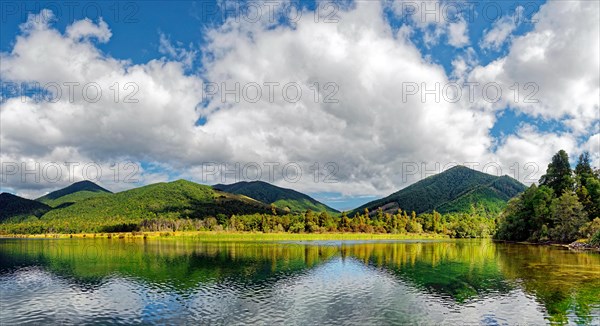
(234, 236)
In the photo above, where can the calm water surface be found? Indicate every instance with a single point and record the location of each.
(177, 281)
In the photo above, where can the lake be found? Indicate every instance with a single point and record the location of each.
(182, 281)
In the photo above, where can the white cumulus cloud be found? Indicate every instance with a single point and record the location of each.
(368, 127)
(501, 30)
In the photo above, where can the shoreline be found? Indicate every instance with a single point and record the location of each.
(278, 236)
(230, 236)
(578, 245)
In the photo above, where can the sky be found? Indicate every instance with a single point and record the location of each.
(346, 101)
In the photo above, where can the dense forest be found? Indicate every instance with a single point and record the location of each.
(564, 207)
(15, 209)
(453, 190)
(458, 225)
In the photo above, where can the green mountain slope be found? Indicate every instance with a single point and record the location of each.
(177, 199)
(281, 197)
(453, 190)
(15, 209)
(73, 193)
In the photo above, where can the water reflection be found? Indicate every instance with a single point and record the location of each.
(183, 281)
(457, 271)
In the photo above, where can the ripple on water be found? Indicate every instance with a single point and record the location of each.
(341, 292)
(323, 291)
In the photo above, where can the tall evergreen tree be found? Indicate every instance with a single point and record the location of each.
(558, 175)
(587, 186)
(527, 215)
(583, 170)
(568, 216)
(591, 197)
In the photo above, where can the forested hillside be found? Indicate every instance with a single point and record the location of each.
(287, 199)
(76, 192)
(16, 209)
(454, 190)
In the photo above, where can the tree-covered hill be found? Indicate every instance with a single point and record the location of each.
(454, 190)
(76, 192)
(15, 209)
(281, 197)
(563, 207)
(177, 199)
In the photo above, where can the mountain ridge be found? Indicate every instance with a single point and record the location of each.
(175, 199)
(453, 190)
(281, 197)
(15, 208)
(456, 190)
(73, 193)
